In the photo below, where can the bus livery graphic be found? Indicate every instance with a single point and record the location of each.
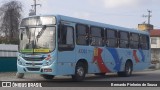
(98, 59)
(135, 56)
(116, 58)
(142, 54)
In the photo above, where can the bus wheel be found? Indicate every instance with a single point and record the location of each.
(19, 75)
(48, 77)
(80, 72)
(127, 71)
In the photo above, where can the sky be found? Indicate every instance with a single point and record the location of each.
(125, 13)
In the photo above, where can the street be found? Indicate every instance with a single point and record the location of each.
(147, 75)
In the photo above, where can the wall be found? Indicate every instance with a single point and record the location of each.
(8, 57)
(8, 64)
(157, 44)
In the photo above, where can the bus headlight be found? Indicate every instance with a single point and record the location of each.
(20, 62)
(48, 62)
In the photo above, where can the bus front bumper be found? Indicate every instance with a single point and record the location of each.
(36, 69)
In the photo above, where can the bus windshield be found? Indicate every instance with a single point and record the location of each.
(37, 34)
(37, 39)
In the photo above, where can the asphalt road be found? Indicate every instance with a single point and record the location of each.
(147, 75)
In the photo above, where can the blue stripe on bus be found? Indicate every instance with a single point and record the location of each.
(142, 54)
(115, 56)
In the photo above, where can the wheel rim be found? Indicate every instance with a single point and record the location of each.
(80, 71)
(128, 69)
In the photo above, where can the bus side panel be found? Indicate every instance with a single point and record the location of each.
(110, 57)
(105, 60)
(143, 61)
(124, 55)
(139, 58)
(99, 60)
(103, 64)
(66, 62)
(95, 58)
(86, 53)
(116, 59)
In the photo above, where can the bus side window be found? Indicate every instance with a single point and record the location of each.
(134, 41)
(66, 38)
(96, 36)
(82, 32)
(124, 39)
(144, 42)
(111, 38)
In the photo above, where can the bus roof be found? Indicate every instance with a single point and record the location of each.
(93, 23)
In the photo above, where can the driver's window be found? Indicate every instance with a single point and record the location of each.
(66, 38)
(69, 36)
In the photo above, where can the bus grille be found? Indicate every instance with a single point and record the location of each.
(34, 59)
(34, 63)
(33, 69)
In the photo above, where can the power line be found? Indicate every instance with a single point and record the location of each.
(34, 10)
(148, 16)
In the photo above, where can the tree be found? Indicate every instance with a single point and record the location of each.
(10, 15)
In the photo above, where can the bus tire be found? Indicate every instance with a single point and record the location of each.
(127, 70)
(80, 72)
(48, 77)
(19, 75)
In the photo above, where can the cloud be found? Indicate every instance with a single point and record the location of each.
(82, 15)
(119, 3)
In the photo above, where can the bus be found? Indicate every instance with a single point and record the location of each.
(52, 45)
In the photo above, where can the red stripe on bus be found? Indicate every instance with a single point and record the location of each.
(99, 60)
(135, 56)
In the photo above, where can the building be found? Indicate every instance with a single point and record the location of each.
(155, 44)
(145, 26)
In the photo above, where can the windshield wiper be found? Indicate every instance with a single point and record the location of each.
(28, 33)
(41, 32)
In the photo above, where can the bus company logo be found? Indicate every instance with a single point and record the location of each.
(6, 84)
(33, 64)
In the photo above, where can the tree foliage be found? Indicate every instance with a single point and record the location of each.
(10, 14)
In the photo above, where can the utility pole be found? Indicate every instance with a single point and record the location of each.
(148, 16)
(35, 6)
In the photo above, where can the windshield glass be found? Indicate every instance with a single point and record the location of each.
(38, 21)
(37, 39)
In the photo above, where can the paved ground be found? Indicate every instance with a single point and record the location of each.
(148, 75)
